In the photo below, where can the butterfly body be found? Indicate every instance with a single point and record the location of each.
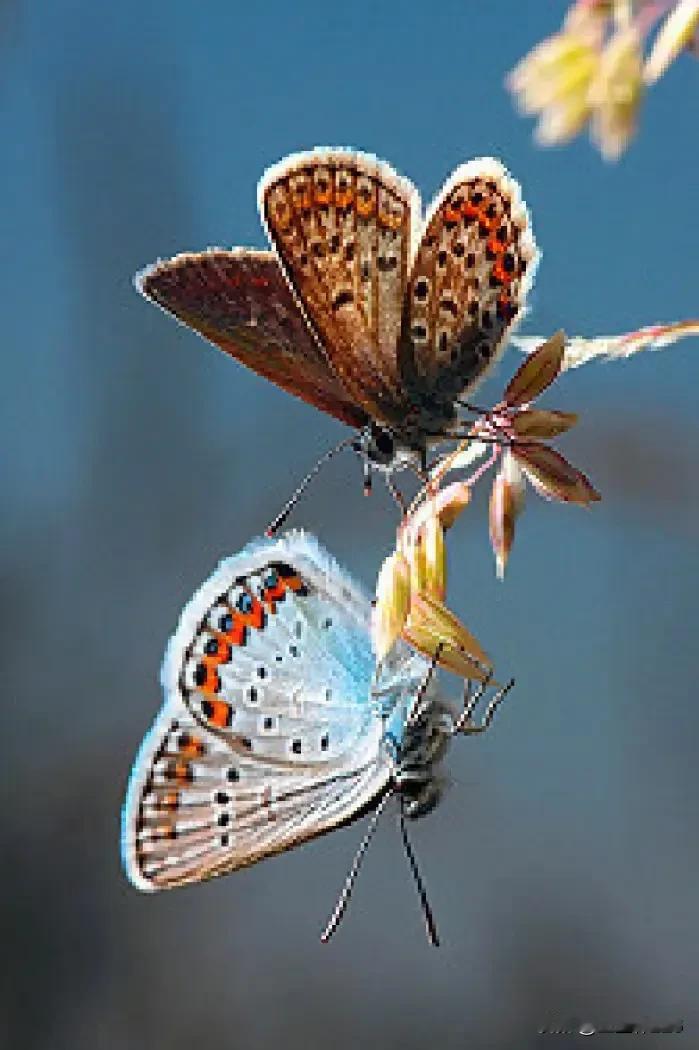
(362, 309)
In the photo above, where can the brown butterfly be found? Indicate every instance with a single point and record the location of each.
(362, 309)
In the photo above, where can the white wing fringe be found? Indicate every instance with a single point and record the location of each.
(612, 347)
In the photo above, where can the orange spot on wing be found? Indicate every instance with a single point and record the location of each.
(212, 682)
(180, 771)
(223, 653)
(190, 746)
(170, 800)
(487, 222)
(256, 617)
(218, 712)
(390, 221)
(236, 634)
(500, 273)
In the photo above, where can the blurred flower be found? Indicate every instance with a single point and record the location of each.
(616, 91)
(592, 70)
(553, 80)
(676, 34)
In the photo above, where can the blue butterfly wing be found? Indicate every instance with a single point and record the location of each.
(270, 733)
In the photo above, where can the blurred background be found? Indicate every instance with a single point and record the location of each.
(562, 865)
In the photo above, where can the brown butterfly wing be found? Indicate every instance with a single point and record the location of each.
(240, 301)
(468, 283)
(342, 225)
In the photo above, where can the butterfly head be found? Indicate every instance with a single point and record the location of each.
(383, 450)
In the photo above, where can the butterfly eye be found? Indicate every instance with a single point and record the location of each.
(384, 442)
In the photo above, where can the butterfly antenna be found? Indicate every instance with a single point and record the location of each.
(343, 899)
(284, 513)
(432, 935)
(367, 478)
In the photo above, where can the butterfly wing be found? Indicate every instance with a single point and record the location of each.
(240, 301)
(269, 734)
(468, 283)
(342, 223)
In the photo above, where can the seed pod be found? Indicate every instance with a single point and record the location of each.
(553, 476)
(536, 373)
(542, 423)
(506, 503)
(430, 625)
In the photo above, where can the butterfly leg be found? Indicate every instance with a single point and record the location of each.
(472, 696)
(432, 935)
(397, 495)
(367, 478)
(418, 705)
(343, 900)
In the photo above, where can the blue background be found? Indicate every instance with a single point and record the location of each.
(562, 864)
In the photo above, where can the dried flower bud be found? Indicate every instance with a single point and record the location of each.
(430, 624)
(536, 373)
(506, 503)
(417, 561)
(553, 476)
(542, 423)
(392, 602)
(435, 558)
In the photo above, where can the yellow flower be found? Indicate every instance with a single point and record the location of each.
(554, 79)
(676, 34)
(392, 602)
(410, 595)
(616, 91)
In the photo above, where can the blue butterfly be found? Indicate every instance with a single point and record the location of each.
(278, 726)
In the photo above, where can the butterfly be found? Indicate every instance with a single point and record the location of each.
(361, 308)
(277, 725)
